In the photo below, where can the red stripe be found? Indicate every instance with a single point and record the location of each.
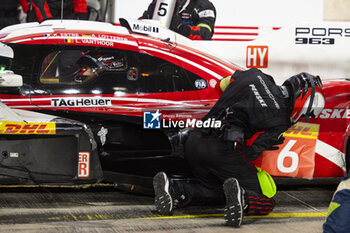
(236, 27)
(195, 37)
(250, 141)
(260, 208)
(38, 13)
(233, 39)
(263, 199)
(47, 10)
(237, 33)
(260, 203)
(223, 27)
(228, 27)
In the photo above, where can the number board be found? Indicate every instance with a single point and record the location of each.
(296, 156)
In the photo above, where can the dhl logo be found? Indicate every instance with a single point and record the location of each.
(303, 130)
(10, 127)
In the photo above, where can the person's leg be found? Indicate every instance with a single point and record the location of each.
(240, 202)
(193, 192)
(213, 161)
(179, 193)
(203, 189)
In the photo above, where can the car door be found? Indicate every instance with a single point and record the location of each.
(165, 85)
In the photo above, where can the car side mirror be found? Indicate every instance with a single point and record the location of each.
(10, 80)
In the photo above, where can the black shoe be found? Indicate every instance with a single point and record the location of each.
(233, 212)
(163, 200)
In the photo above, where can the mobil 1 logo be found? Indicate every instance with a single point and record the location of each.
(319, 35)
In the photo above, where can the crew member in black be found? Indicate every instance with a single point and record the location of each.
(8, 13)
(194, 19)
(254, 112)
(40, 10)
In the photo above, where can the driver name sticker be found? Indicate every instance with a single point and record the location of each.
(87, 35)
(12, 127)
(84, 165)
(94, 42)
(90, 39)
(296, 156)
(80, 102)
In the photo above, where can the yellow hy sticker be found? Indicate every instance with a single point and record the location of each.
(12, 127)
(303, 130)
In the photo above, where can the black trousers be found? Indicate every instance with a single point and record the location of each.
(212, 161)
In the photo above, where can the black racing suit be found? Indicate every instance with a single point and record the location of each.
(72, 9)
(194, 19)
(251, 105)
(40, 10)
(8, 13)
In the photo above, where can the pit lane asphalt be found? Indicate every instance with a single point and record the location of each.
(105, 209)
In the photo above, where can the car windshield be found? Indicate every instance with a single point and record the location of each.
(78, 66)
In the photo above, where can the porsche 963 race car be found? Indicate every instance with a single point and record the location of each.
(134, 84)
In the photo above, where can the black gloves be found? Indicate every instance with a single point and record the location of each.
(278, 142)
(266, 141)
(184, 29)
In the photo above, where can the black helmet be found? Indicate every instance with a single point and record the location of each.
(98, 63)
(306, 96)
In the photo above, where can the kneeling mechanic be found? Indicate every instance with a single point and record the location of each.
(254, 112)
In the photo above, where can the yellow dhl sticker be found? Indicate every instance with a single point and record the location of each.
(303, 130)
(13, 127)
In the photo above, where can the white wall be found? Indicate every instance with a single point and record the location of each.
(285, 57)
(267, 12)
(243, 12)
